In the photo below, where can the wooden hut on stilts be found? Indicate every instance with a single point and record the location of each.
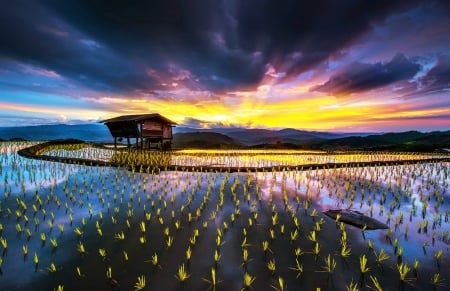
(150, 131)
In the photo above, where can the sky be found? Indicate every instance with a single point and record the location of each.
(327, 65)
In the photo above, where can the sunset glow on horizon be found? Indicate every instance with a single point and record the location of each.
(359, 67)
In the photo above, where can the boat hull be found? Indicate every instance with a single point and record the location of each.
(355, 218)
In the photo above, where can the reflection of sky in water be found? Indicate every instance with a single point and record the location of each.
(247, 158)
(322, 187)
(85, 153)
(359, 178)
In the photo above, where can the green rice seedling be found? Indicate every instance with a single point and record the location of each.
(193, 240)
(272, 234)
(274, 219)
(213, 282)
(188, 254)
(271, 266)
(109, 273)
(352, 286)
(19, 229)
(296, 222)
(4, 244)
(125, 256)
(25, 251)
(244, 243)
(142, 226)
(381, 257)
(155, 260)
(245, 258)
(61, 228)
(119, 236)
(389, 233)
(280, 285)
(266, 248)
(312, 236)
(43, 238)
(128, 223)
(363, 264)
(317, 224)
(177, 224)
(424, 245)
(99, 231)
(298, 268)
(166, 231)
(437, 281)
(50, 224)
(403, 270)
(78, 232)
(298, 252)
(54, 243)
(182, 275)
(52, 268)
(342, 227)
(313, 213)
(316, 250)
(400, 254)
(219, 241)
(294, 235)
(102, 253)
(395, 245)
(217, 257)
(81, 249)
(248, 281)
(169, 241)
(345, 251)
(438, 257)
(330, 265)
(36, 261)
(376, 286)
(369, 246)
(416, 268)
(140, 284)
(29, 233)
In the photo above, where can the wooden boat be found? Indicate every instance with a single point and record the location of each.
(355, 218)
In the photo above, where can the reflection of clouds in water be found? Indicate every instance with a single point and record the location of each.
(401, 190)
(250, 158)
(324, 187)
(84, 153)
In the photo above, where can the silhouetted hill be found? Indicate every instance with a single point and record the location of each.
(205, 140)
(241, 137)
(403, 141)
(95, 132)
(254, 137)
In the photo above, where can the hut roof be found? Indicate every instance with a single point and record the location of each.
(138, 118)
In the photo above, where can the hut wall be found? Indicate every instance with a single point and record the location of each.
(167, 131)
(152, 129)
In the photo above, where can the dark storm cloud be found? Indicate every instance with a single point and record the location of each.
(360, 77)
(438, 78)
(133, 46)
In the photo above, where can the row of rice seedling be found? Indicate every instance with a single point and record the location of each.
(226, 158)
(74, 226)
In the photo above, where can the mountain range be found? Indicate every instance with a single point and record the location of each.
(185, 137)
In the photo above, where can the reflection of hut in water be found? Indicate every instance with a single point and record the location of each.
(149, 130)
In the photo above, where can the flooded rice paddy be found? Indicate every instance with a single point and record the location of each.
(72, 227)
